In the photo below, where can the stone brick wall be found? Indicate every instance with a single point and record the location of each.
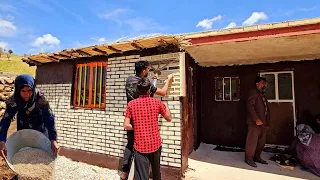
(102, 131)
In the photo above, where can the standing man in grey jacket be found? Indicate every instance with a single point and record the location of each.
(142, 69)
(257, 120)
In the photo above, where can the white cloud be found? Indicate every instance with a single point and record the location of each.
(231, 25)
(145, 25)
(7, 28)
(41, 5)
(207, 23)
(6, 7)
(102, 39)
(254, 18)
(135, 24)
(3, 45)
(9, 17)
(46, 39)
(114, 14)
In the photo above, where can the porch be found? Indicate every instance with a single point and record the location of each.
(206, 163)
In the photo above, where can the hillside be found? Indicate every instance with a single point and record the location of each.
(15, 65)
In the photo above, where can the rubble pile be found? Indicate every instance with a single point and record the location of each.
(6, 91)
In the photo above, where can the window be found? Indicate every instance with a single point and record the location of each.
(279, 87)
(90, 85)
(227, 88)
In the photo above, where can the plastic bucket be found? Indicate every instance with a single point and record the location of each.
(26, 138)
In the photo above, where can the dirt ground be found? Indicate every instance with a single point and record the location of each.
(207, 164)
(5, 171)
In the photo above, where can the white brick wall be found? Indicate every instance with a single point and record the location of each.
(102, 131)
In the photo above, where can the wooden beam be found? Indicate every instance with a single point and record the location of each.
(114, 49)
(135, 45)
(34, 61)
(100, 51)
(28, 62)
(83, 52)
(163, 42)
(52, 59)
(52, 56)
(64, 55)
(75, 55)
(60, 56)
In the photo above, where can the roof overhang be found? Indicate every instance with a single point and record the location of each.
(102, 50)
(289, 41)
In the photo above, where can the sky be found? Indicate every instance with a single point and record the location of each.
(33, 26)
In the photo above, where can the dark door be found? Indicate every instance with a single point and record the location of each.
(280, 94)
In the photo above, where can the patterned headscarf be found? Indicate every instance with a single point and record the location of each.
(304, 133)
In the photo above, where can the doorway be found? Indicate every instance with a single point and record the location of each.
(280, 94)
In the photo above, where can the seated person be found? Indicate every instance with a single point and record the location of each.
(307, 148)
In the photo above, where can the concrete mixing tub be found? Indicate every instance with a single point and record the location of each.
(26, 138)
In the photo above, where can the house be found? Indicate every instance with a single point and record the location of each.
(214, 71)
(286, 54)
(86, 91)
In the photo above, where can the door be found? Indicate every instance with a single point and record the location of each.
(280, 94)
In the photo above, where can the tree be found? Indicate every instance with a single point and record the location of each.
(9, 53)
(1, 51)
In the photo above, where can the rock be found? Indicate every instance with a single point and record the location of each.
(1, 87)
(2, 81)
(2, 97)
(8, 93)
(2, 105)
(8, 80)
(2, 111)
(8, 89)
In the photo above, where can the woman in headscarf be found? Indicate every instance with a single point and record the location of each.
(308, 148)
(33, 112)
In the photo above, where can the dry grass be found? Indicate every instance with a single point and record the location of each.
(15, 65)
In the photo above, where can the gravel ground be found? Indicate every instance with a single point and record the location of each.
(32, 163)
(66, 169)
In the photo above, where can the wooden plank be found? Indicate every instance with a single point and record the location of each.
(52, 59)
(114, 49)
(82, 52)
(137, 46)
(64, 54)
(100, 51)
(34, 62)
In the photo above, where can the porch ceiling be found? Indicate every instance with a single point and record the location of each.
(267, 50)
(268, 43)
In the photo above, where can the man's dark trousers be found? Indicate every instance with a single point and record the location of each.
(142, 162)
(128, 152)
(256, 139)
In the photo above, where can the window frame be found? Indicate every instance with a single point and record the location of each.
(91, 105)
(276, 81)
(223, 95)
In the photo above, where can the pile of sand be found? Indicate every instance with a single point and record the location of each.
(32, 163)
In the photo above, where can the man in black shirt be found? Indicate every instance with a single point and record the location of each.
(142, 69)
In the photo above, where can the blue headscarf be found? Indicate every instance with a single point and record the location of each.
(21, 82)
